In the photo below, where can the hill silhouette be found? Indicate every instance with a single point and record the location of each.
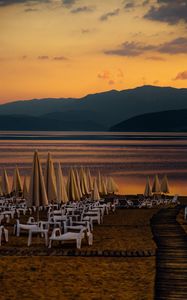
(174, 120)
(101, 110)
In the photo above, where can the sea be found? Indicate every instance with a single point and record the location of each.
(128, 157)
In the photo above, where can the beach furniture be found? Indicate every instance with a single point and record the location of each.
(93, 215)
(77, 235)
(3, 231)
(185, 213)
(175, 199)
(41, 228)
(18, 227)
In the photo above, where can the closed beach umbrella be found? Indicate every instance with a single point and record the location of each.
(50, 180)
(95, 193)
(61, 186)
(156, 185)
(103, 186)
(72, 191)
(37, 195)
(16, 184)
(83, 182)
(89, 180)
(111, 186)
(99, 182)
(5, 183)
(77, 179)
(1, 192)
(25, 188)
(148, 192)
(165, 185)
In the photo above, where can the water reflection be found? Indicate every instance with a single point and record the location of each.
(129, 157)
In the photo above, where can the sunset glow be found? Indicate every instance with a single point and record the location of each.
(61, 48)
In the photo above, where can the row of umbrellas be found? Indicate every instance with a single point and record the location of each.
(51, 187)
(157, 187)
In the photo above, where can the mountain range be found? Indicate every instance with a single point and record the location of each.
(95, 112)
(172, 120)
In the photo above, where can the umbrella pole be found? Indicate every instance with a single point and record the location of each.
(37, 214)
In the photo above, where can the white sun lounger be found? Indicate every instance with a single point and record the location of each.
(68, 236)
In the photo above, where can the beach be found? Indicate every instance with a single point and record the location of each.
(68, 277)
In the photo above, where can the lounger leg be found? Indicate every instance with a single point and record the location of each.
(18, 231)
(6, 234)
(46, 239)
(29, 238)
(79, 243)
(50, 244)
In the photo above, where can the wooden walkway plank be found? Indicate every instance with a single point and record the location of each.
(171, 256)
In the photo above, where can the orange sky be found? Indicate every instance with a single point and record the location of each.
(69, 48)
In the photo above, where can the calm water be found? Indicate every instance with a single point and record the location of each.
(128, 157)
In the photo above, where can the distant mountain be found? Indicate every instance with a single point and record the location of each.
(107, 108)
(173, 120)
(19, 122)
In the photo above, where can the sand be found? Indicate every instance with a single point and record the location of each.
(59, 277)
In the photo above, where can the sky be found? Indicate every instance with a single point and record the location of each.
(71, 48)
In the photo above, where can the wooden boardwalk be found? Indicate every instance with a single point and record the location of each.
(171, 257)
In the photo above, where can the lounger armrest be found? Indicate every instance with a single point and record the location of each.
(55, 233)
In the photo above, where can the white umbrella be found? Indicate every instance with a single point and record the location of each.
(5, 183)
(77, 179)
(25, 188)
(89, 180)
(50, 180)
(83, 182)
(112, 187)
(103, 186)
(38, 195)
(165, 185)
(16, 184)
(72, 190)
(1, 191)
(95, 193)
(156, 185)
(147, 191)
(61, 186)
(99, 182)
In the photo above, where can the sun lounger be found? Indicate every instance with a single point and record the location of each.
(68, 236)
(40, 228)
(3, 231)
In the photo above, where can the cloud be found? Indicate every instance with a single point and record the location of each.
(88, 30)
(175, 46)
(30, 10)
(157, 58)
(85, 30)
(60, 58)
(68, 3)
(65, 3)
(43, 57)
(120, 73)
(145, 2)
(82, 9)
(130, 49)
(113, 77)
(129, 5)
(106, 16)
(169, 11)
(181, 76)
(104, 75)
(13, 2)
(156, 82)
(111, 82)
